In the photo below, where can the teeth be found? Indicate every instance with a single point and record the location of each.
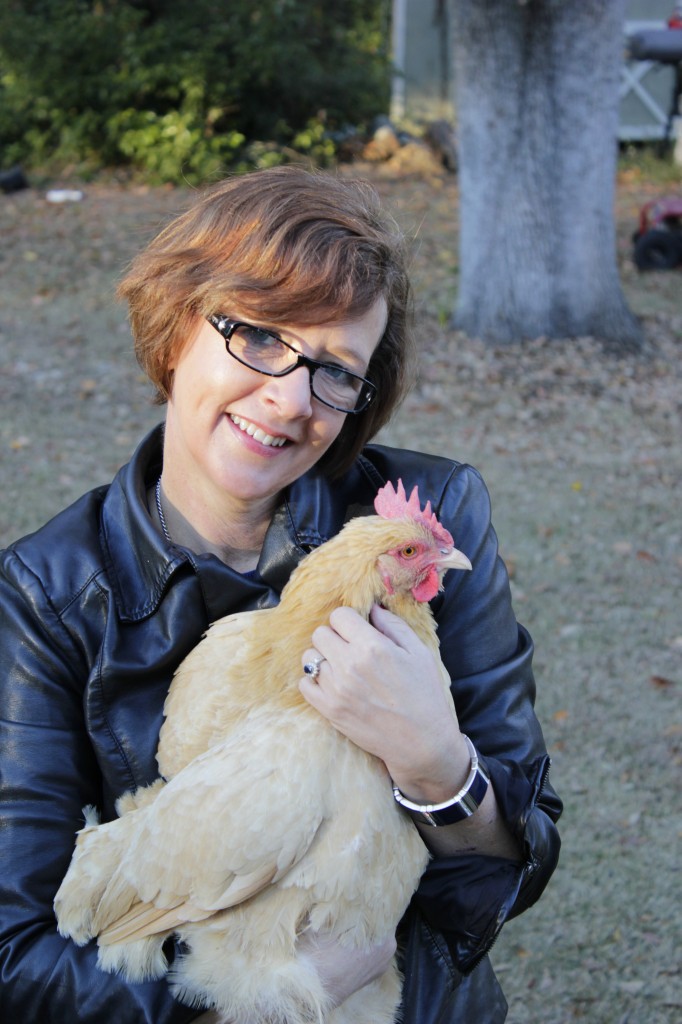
(257, 433)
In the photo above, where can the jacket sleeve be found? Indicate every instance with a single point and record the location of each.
(47, 774)
(488, 656)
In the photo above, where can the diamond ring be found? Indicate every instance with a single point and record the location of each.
(312, 667)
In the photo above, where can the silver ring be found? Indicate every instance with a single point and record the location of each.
(312, 668)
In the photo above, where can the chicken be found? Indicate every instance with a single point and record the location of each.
(267, 821)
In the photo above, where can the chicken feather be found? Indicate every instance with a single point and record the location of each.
(267, 821)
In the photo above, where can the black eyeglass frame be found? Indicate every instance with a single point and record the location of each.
(226, 327)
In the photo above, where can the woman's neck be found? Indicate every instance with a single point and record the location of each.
(235, 535)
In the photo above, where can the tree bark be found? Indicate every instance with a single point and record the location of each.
(536, 87)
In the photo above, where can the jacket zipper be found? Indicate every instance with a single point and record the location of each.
(529, 869)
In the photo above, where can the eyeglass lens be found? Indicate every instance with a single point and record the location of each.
(264, 352)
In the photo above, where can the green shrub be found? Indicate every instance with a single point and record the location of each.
(173, 146)
(182, 89)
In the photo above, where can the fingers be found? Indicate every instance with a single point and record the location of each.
(343, 970)
(349, 625)
(312, 664)
(349, 641)
(393, 627)
(332, 643)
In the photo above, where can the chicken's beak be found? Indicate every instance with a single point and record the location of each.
(453, 559)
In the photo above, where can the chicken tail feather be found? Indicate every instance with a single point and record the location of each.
(94, 858)
(136, 961)
(141, 921)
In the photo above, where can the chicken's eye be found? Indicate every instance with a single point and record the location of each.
(409, 551)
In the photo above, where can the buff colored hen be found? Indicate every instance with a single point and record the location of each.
(267, 821)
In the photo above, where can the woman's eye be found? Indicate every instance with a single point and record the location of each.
(256, 338)
(335, 373)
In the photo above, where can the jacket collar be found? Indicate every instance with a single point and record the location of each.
(140, 562)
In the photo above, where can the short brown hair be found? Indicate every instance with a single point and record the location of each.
(288, 245)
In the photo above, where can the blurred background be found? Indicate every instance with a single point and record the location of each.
(506, 164)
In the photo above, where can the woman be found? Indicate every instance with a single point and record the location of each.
(273, 320)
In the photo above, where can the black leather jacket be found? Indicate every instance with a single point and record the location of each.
(97, 611)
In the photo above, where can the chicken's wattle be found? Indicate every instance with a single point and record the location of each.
(428, 587)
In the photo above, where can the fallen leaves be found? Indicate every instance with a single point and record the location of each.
(661, 682)
(18, 443)
(87, 388)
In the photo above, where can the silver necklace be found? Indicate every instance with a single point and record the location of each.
(159, 509)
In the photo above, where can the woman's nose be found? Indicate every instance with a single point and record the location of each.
(292, 393)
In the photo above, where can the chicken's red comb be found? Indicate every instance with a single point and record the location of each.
(394, 504)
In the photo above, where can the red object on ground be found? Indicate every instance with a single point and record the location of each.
(658, 239)
(675, 19)
(657, 211)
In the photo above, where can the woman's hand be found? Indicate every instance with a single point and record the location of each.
(341, 970)
(382, 688)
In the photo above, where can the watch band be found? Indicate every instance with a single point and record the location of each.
(460, 806)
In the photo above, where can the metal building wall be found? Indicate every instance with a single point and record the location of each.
(423, 85)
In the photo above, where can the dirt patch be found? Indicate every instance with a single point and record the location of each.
(582, 453)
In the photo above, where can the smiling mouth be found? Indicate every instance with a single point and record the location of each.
(259, 435)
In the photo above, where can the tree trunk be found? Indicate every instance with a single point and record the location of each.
(537, 116)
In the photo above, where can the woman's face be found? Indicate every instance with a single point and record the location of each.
(235, 434)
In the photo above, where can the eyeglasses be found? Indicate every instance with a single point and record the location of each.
(265, 352)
